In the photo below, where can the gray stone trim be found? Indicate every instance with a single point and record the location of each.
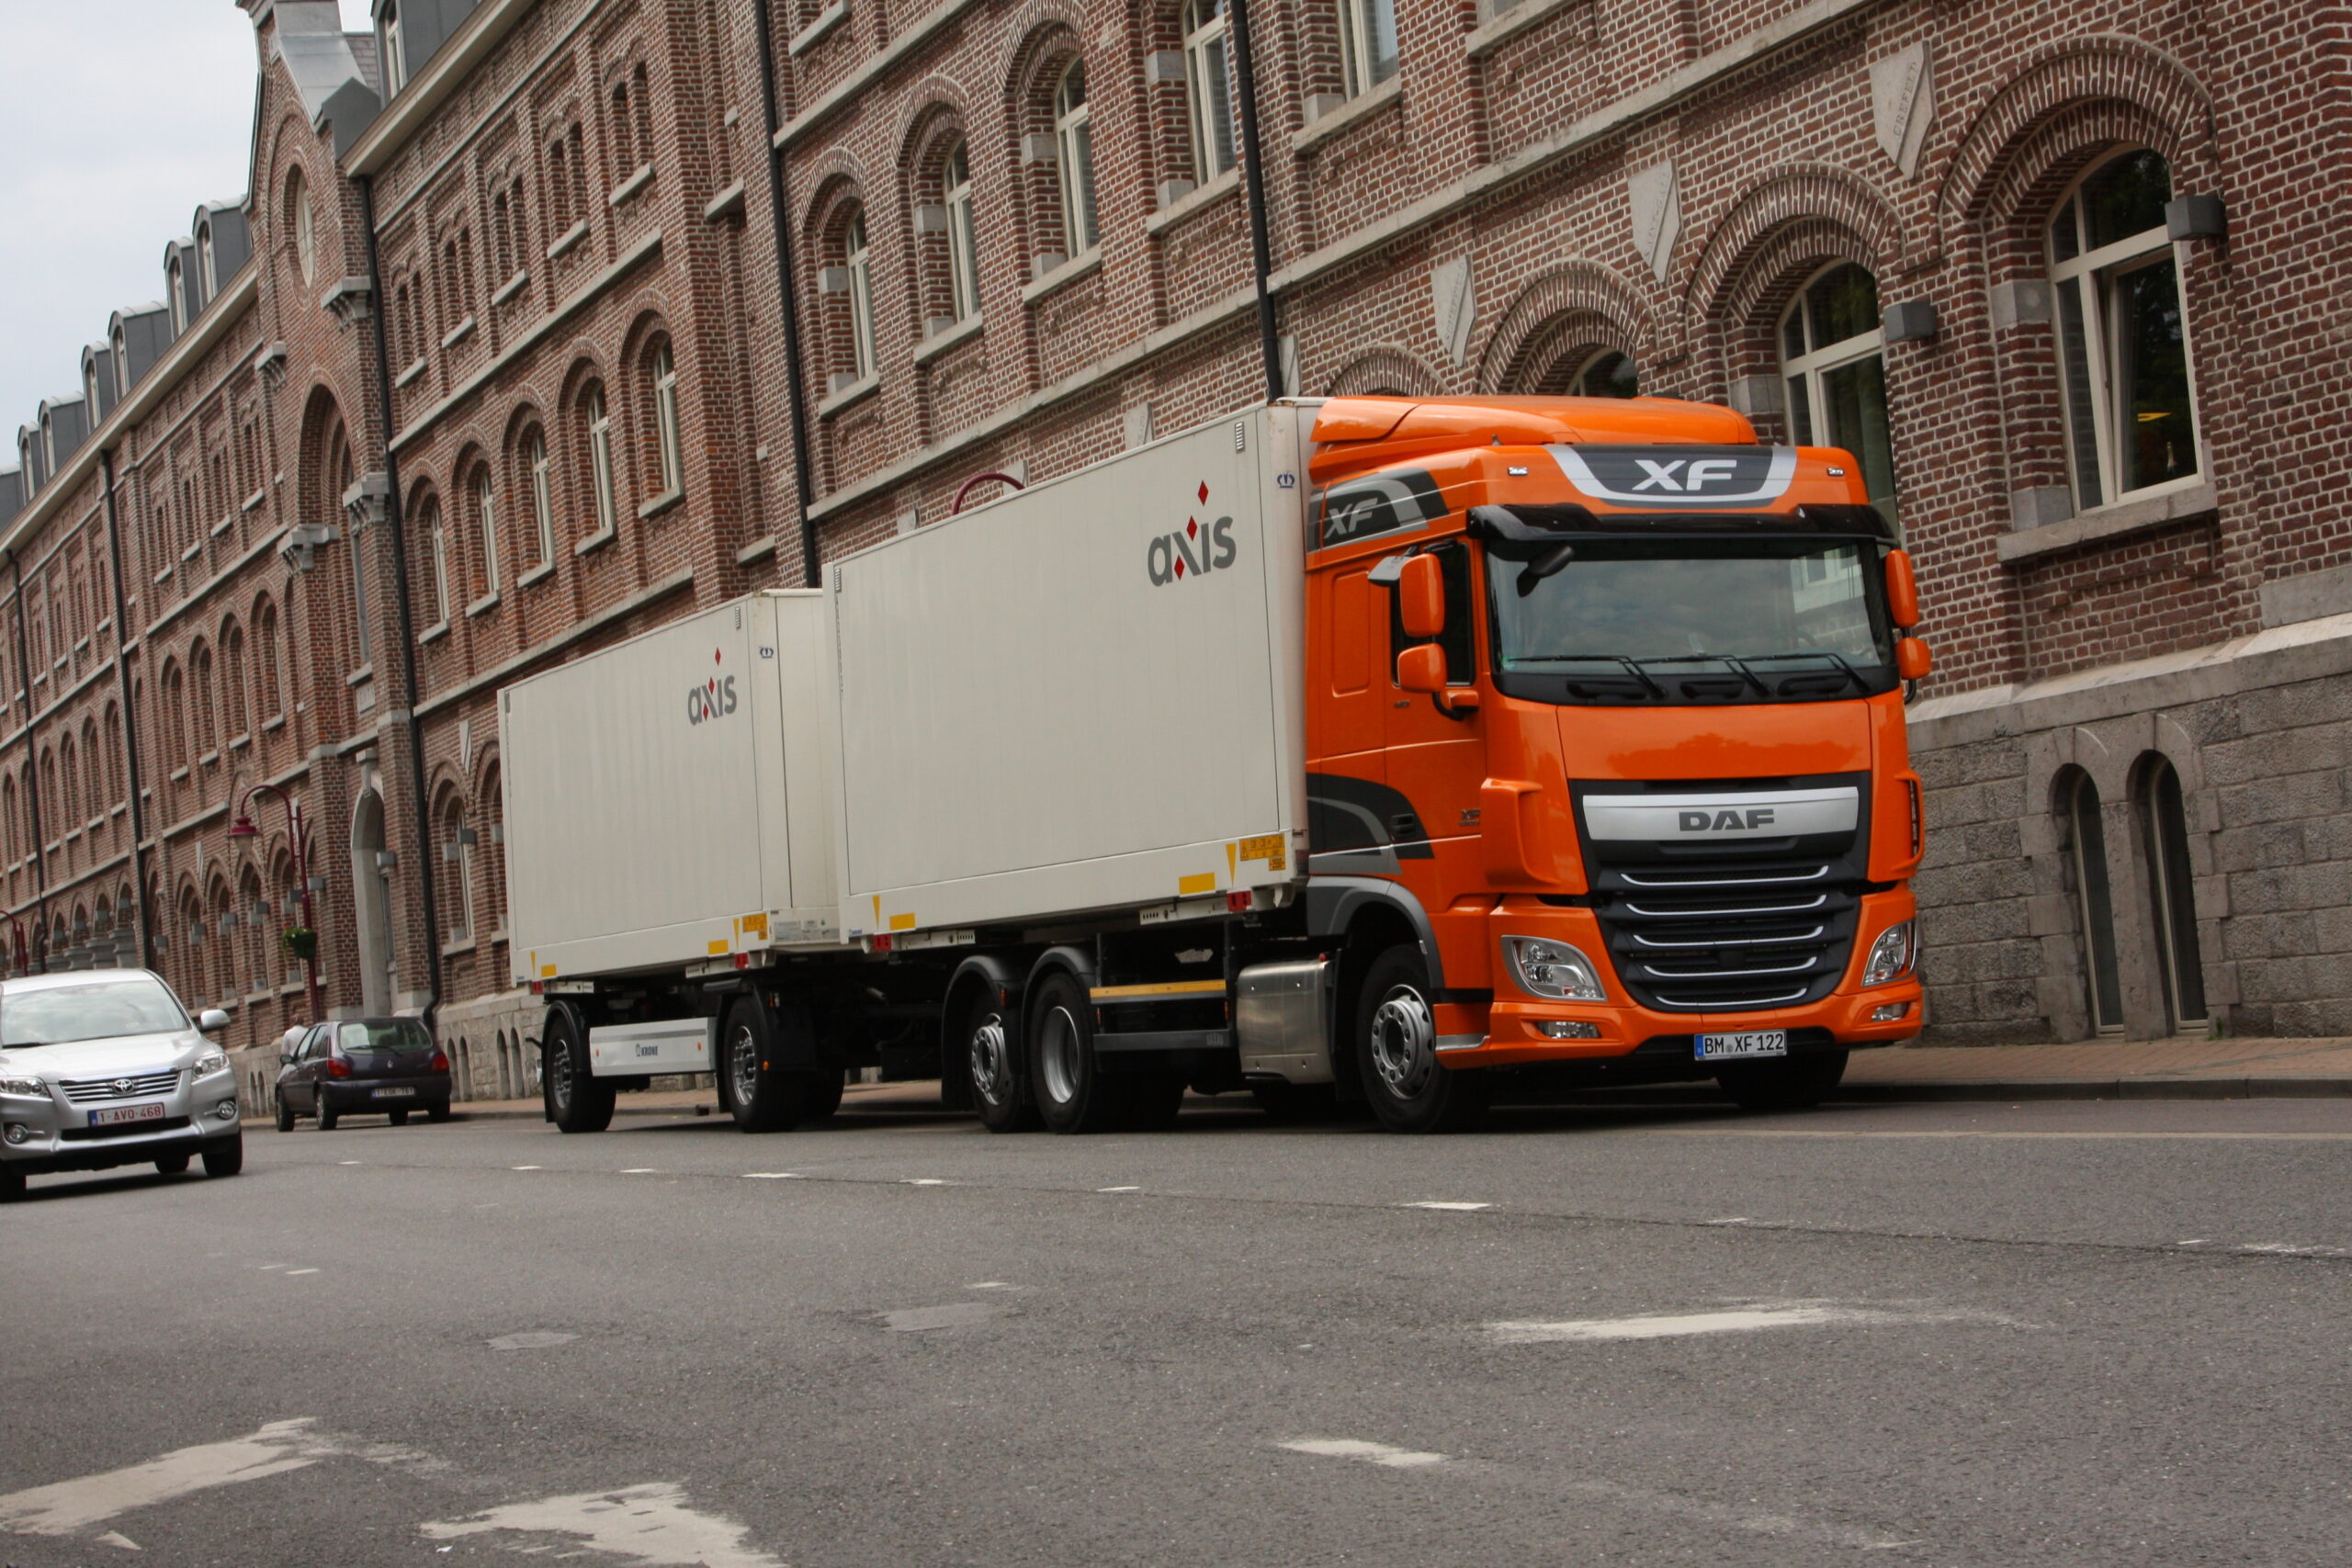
(2102, 523)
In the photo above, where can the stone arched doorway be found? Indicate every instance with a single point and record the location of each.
(372, 904)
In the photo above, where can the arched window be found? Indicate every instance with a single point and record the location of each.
(232, 678)
(1592, 373)
(1367, 44)
(662, 386)
(173, 278)
(112, 730)
(1208, 82)
(302, 220)
(853, 278)
(434, 530)
(644, 125)
(538, 481)
(1833, 352)
(2094, 905)
(392, 46)
(93, 774)
(204, 733)
(175, 716)
(67, 781)
(272, 700)
(493, 813)
(2163, 826)
(457, 886)
(598, 422)
(963, 238)
(484, 501)
(206, 270)
(2122, 343)
(1074, 148)
(254, 928)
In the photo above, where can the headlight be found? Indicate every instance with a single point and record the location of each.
(25, 1088)
(209, 1063)
(1547, 968)
(1892, 955)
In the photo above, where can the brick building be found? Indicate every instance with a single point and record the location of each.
(494, 367)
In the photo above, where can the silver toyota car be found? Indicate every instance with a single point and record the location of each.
(102, 1067)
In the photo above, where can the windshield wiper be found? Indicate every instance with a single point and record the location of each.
(1839, 660)
(1633, 666)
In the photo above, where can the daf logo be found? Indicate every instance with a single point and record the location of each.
(1198, 550)
(1725, 821)
(1694, 475)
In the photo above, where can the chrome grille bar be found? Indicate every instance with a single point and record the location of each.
(89, 1092)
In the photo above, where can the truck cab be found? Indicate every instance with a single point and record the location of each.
(1609, 697)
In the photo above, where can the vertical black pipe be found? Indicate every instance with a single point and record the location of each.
(32, 763)
(129, 739)
(394, 522)
(780, 214)
(1262, 249)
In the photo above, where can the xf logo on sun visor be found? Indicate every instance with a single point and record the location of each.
(715, 699)
(1679, 479)
(1196, 550)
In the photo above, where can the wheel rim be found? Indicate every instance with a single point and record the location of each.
(991, 1059)
(1404, 1042)
(1059, 1055)
(743, 1066)
(559, 1074)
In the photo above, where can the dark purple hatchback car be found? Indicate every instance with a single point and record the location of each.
(367, 1066)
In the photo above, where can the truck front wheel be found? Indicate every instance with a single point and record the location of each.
(1792, 1083)
(766, 1098)
(1396, 1044)
(576, 1102)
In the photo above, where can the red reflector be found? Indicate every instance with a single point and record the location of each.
(338, 1067)
(538, 988)
(743, 961)
(1239, 903)
(882, 943)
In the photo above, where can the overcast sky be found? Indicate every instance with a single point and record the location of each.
(119, 117)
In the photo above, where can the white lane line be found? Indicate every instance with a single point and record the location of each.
(346, 1162)
(1371, 1453)
(532, 1339)
(772, 1175)
(116, 1538)
(641, 1170)
(992, 1285)
(1118, 1189)
(925, 1182)
(526, 1167)
(1737, 1320)
(1448, 1205)
(650, 1523)
(954, 1314)
(291, 1272)
(68, 1507)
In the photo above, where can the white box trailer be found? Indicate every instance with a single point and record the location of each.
(666, 798)
(1086, 697)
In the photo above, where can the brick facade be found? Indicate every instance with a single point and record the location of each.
(573, 276)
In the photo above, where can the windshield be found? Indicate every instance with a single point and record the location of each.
(1697, 619)
(56, 1015)
(400, 1036)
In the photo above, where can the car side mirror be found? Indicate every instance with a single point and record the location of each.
(211, 1020)
(1422, 668)
(1912, 661)
(1420, 598)
(1902, 589)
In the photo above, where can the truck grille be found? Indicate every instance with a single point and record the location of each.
(1728, 938)
(94, 1091)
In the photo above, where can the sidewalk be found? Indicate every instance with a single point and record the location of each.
(2119, 1069)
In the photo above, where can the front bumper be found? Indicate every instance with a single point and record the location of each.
(54, 1134)
(1508, 1033)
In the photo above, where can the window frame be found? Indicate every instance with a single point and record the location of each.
(1360, 62)
(858, 261)
(963, 235)
(2093, 906)
(1804, 376)
(483, 496)
(394, 46)
(1208, 86)
(661, 371)
(1074, 159)
(597, 409)
(539, 475)
(436, 528)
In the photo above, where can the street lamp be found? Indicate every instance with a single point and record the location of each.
(243, 827)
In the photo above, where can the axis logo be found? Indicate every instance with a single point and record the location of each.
(1197, 551)
(715, 699)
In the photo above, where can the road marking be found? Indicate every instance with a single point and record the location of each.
(291, 1272)
(1987, 1132)
(954, 1314)
(1448, 1205)
(68, 1507)
(525, 1168)
(992, 1285)
(648, 1523)
(925, 1182)
(346, 1162)
(532, 1339)
(641, 1170)
(1737, 1320)
(1118, 1189)
(1371, 1453)
(771, 1176)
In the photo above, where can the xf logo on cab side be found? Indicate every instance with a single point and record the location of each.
(1196, 550)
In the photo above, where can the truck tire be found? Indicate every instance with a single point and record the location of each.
(1792, 1083)
(1071, 1094)
(577, 1103)
(765, 1097)
(991, 1049)
(825, 1093)
(1396, 1051)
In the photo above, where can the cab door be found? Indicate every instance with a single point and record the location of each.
(1346, 722)
(1436, 759)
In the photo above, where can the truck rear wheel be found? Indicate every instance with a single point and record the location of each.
(992, 1051)
(576, 1102)
(1792, 1083)
(1410, 1090)
(1071, 1094)
(765, 1097)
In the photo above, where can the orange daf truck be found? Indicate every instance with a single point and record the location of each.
(1401, 752)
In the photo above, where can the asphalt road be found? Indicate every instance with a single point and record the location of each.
(2051, 1334)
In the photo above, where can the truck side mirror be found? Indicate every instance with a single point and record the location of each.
(1422, 668)
(1912, 661)
(1902, 589)
(1421, 599)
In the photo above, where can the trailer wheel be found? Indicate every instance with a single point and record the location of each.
(990, 1043)
(825, 1092)
(765, 1097)
(1410, 1090)
(1792, 1083)
(1071, 1095)
(577, 1103)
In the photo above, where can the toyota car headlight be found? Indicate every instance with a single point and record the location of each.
(1547, 968)
(1892, 955)
(209, 1063)
(23, 1089)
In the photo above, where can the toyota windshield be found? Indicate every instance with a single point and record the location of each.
(1683, 620)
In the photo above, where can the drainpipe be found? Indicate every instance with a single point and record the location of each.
(32, 761)
(804, 483)
(1254, 173)
(130, 720)
(394, 521)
